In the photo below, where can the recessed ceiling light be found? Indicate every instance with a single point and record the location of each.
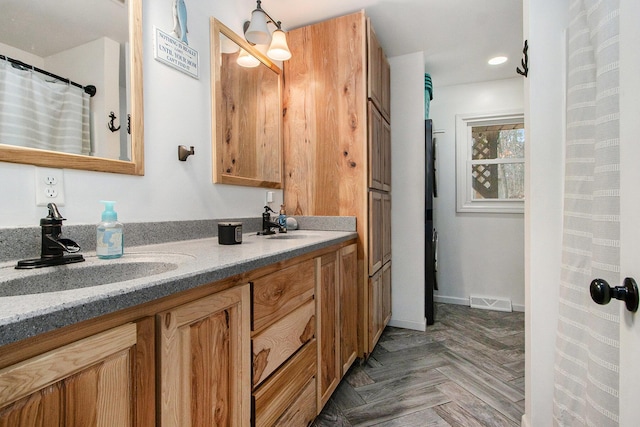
(498, 60)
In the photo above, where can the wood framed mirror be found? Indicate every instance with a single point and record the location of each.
(115, 24)
(246, 112)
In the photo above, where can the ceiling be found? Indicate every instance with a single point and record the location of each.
(456, 36)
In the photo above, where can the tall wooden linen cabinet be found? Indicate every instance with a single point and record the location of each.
(337, 148)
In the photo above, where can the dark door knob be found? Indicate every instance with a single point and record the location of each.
(602, 293)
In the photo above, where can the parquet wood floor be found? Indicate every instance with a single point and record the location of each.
(466, 370)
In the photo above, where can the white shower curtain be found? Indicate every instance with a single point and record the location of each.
(37, 112)
(587, 342)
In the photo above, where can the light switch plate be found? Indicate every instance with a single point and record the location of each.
(49, 186)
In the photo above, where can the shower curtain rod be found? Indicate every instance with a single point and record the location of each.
(90, 89)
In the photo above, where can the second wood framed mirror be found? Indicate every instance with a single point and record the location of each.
(246, 112)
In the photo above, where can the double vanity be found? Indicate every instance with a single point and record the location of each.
(181, 333)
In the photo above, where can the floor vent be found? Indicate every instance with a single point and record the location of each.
(498, 304)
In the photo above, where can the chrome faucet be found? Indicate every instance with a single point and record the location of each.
(267, 224)
(53, 245)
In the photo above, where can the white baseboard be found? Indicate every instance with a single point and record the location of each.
(451, 300)
(525, 421)
(408, 324)
(518, 307)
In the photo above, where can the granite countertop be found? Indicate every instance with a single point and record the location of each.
(195, 263)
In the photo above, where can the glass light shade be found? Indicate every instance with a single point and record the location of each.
(245, 59)
(279, 50)
(258, 33)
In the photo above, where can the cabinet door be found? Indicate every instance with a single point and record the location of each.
(205, 364)
(348, 306)
(328, 327)
(376, 324)
(375, 148)
(374, 69)
(385, 87)
(386, 294)
(386, 156)
(92, 382)
(375, 231)
(386, 227)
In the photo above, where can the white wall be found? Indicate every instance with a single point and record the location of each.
(177, 111)
(544, 24)
(479, 254)
(407, 183)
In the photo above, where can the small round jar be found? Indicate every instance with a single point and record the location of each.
(229, 233)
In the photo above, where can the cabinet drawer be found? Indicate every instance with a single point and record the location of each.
(281, 292)
(282, 339)
(276, 395)
(302, 412)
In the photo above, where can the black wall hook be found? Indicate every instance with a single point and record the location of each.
(525, 61)
(111, 124)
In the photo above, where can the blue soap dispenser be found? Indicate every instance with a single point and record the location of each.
(282, 219)
(110, 237)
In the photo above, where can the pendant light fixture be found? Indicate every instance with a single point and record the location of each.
(257, 32)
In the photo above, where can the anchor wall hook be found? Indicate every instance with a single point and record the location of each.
(524, 61)
(111, 124)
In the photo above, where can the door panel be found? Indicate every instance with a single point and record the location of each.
(629, 206)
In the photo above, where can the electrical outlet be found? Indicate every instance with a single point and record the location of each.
(49, 186)
(51, 193)
(269, 196)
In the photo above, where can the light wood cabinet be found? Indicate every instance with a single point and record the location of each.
(186, 360)
(379, 74)
(336, 306)
(328, 320)
(385, 303)
(273, 346)
(277, 399)
(204, 361)
(101, 380)
(375, 323)
(348, 267)
(386, 228)
(284, 329)
(337, 137)
(376, 148)
(376, 230)
(379, 146)
(386, 156)
(379, 303)
(277, 294)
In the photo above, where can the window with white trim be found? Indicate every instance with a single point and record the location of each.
(490, 162)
